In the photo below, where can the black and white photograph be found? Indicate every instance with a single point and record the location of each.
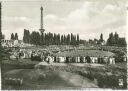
(63, 44)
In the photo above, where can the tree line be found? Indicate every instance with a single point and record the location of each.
(97, 41)
(50, 38)
(70, 39)
(115, 40)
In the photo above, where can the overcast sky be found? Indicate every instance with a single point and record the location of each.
(88, 18)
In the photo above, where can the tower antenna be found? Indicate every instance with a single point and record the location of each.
(41, 21)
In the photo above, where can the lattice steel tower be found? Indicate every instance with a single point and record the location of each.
(41, 21)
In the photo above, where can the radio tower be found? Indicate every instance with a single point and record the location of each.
(41, 21)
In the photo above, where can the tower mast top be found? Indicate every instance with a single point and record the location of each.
(41, 8)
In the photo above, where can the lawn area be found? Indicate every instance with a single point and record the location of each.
(122, 64)
(107, 75)
(19, 61)
(20, 64)
(38, 79)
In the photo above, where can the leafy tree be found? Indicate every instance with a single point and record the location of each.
(42, 39)
(26, 37)
(46, 39)
(122, 42)
(116, 37)
(51, 38)
(35, 38)
(38, 38)
(58, 39)
(65, 39)
(12, 37)
(3, 36)
(78, 39)
(72, 39)
(101, 38)
(68, 39)
(54, 39)
(16, 36)
(62, 39)
(110, 39)
(115, 40)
